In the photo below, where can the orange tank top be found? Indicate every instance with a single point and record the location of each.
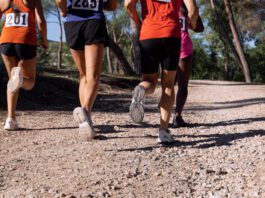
(160, 19)
(21, 27)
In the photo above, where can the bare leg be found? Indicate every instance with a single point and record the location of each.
(12, 98)
(94, 61)
(167, 98)
(79, 59)
(28, 69)
(149, 82)
(184, 71)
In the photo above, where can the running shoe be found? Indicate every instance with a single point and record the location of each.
(164, 136)
(137, 105)
(15, 81)
(86, 130)
(10, 124)
(179, 122)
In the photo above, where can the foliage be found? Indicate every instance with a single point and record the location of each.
(213, 59)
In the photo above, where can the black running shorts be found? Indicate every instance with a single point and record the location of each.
(81, 33)
(164, 51)
(21, 51)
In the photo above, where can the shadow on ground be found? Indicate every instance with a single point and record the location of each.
(212, 140)
(58, 91)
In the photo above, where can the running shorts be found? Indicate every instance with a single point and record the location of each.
(81, 33)
(21, 51)
(164, 51)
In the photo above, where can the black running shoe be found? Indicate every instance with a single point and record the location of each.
(179, 122)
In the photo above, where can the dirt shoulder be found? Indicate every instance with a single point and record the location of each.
(221, 155)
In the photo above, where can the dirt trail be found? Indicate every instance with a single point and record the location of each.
(221, 155)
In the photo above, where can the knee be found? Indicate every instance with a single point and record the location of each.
(93, 78)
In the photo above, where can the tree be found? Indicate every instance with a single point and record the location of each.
(237, 41)
(50, 7)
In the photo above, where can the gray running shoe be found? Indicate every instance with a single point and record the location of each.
(15, 81)
(137, 105)
(164, 136)
(86, 130)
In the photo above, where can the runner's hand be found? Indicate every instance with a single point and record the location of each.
(45, 44)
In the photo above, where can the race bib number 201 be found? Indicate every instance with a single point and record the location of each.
(85, 4)
(17, 20)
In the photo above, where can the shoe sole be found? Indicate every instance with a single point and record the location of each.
(15, 81)
(136, 107)
(164, 142)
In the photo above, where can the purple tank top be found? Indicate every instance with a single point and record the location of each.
(81, 10)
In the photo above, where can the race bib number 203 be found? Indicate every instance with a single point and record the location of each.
(17, 20)
(85, 4)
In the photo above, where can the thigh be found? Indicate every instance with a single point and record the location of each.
(150, 56)
(171, 53)
(184, 70)
(168, 78)
(80, 61)
(10, 62)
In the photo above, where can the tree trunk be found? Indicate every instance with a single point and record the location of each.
(115, 62)
(125, 65)
(136, 54)
(238, 44)
(225, 35)
(60, 50)
(110, 69)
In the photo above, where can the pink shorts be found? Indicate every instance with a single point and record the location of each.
(186, 45)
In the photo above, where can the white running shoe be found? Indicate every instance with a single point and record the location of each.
(86, 130)
(10, 124)
(164, 136)
(15, 81)
(137, 105)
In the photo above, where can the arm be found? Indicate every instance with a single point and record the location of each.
(193, 12)
(110, 5)
(41, 22)
(130, 6)
(199, 26)
(62, 5)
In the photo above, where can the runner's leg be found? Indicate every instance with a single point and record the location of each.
(167, 98)
(28, 69)
(11, 62)
(79, 59)
(184, 71)
(149, 82)
(94, 61)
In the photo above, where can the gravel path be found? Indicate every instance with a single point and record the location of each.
(221, 155)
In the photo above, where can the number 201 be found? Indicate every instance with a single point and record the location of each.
(16, 20)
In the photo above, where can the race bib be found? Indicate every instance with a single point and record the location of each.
(17, 20)
(182, 22)
(165, 1)
(85, 4)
